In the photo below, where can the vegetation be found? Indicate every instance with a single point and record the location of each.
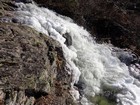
(101, 100)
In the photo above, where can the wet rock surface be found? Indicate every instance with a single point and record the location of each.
(115, 21)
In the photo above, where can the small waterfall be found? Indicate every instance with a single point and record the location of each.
(95, 65)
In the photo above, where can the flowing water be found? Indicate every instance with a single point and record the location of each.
(96, 65)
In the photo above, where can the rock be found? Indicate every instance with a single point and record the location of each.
(14, 20)
(81, 86)
(126, 57)
(32, 65)
(68, 38)
(53, 100)
(27, 68)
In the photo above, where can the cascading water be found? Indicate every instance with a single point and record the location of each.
(94, 64)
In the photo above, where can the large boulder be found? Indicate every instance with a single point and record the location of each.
(32, 66)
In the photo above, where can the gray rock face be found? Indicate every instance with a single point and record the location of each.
(23, 57)
(32, 65)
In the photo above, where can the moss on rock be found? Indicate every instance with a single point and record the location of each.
(101, 100)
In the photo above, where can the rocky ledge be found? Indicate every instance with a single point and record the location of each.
(32, 66)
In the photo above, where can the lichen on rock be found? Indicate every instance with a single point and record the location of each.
(30, 65)
(25, 64)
